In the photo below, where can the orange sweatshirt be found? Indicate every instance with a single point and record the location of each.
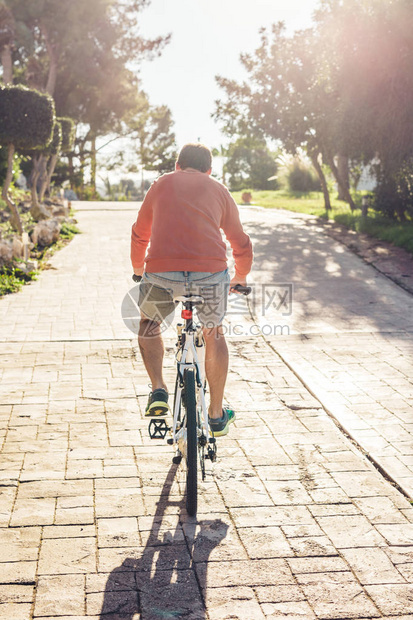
(181, 216)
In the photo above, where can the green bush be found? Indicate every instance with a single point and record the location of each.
(380, 227)
(13, 278)
(68, 230)
(301, 178)
(26, 117)
(68, 134)
(87, 193)
(54, 146)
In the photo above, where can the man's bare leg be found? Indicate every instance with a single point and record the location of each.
(216, 368)
(152, 351)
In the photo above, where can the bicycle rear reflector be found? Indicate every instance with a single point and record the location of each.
(186, 314)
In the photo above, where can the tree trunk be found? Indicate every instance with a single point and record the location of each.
(340, 182)
(52, 52)
(15, 220)
(343, 168)
(71, 172)
(52, 167)
(93, 164)
(7, 62)
(37, 210)
(44, 177)
(322, 178)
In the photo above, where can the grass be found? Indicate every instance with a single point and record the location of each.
(312, 203)
(374, 224)
(379, 227)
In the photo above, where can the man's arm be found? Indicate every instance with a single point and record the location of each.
(141, 233)
(239, 240)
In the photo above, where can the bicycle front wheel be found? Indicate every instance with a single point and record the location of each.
(192, 442)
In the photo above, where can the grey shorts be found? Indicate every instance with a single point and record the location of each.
(157, 292)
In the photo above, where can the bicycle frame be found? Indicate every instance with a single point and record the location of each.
(189, 359)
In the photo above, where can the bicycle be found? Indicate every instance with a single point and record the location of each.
(191, 434)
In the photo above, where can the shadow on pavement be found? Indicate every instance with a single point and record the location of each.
(332, 286)
(162, 582)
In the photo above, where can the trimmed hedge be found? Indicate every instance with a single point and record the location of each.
(68, 134)
(53, 148)
(27, 117)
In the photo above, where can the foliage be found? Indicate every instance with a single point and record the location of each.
(26, 117)
(87, 193)
(68, 134)
(87, 55)
(13, 278)
(375, 225)
(54, 146)
(3, 166)
(299, 202)
(249, 163)
(371, 65)
(152, 128)
(301, 177)
(386, 229)
(62, 174)
(284, 98)
(69, 230)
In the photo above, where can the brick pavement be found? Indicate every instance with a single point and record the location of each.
(351, 336)
(294, 520)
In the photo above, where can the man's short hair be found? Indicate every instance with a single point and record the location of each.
(195, 156)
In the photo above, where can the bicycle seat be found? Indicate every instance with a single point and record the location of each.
(194, 299)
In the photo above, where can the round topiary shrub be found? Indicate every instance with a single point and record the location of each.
(68, 134)
(26, 117)
(26, 122)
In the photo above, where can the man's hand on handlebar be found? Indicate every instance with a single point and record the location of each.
(137, 274)
(239, 285)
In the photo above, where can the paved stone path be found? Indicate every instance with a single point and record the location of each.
(352, 342)
(294, 520)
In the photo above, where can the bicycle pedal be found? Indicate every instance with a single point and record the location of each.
(177, 459)
(158, 429)
(212, 454)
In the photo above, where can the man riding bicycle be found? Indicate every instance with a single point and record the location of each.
(181, 217)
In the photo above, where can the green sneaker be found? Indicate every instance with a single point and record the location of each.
(157, 404)
(220, 426)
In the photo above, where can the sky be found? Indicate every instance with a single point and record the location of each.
(207, 39)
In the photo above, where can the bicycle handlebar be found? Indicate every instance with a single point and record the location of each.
(243, 290)
(238, 288)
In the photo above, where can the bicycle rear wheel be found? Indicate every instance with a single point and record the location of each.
(192, 442)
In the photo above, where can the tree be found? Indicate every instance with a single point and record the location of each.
(152, 126)
(82, 53)
(250, 164)
(281, 98)
(7, 36)
(62, 142)
(26, 122)
(50, 154)
(373, 61)
(289, 97)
